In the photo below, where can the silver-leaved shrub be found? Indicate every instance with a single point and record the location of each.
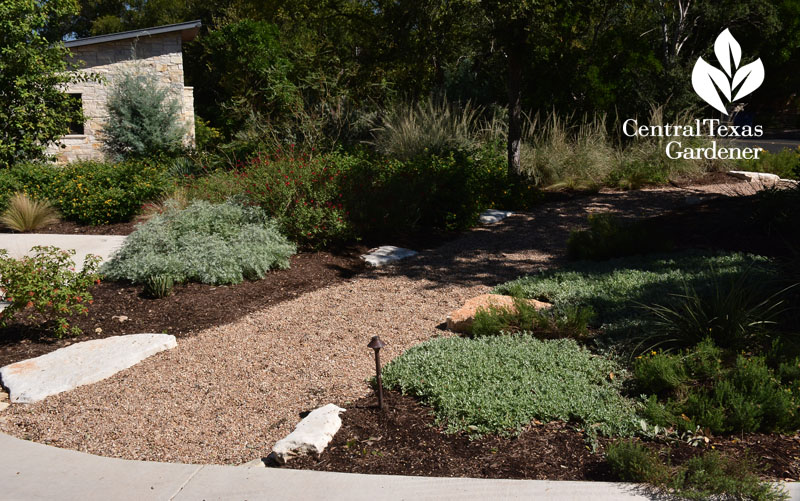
(208, 243)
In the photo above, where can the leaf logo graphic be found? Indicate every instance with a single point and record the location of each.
(709, 82)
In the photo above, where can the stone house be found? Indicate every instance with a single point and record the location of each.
(153, 49)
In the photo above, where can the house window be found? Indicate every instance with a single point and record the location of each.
(75, 105)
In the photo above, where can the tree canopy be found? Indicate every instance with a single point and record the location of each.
(33, 108)
(286, 60)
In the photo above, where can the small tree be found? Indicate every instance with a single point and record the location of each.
(143, 120)
(34, 111)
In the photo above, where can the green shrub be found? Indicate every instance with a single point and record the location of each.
(714, 475)
(634, 173)
(633, 462)
(616, 289)
(774, 212)
(709, 475)
(144, 120)
(695, 388)
(607, 237)
(92, 192)
(9, 184)
(659, 373)
(429, 191)
(499, 384)
(302, 193)
(213, 244)
(785, 164)
(47, 284)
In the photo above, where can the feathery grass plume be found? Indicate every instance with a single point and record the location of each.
(431, 126)
(26, 214)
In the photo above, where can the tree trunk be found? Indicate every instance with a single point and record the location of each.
(514, 86)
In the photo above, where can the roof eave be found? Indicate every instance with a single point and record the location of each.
(188, 32)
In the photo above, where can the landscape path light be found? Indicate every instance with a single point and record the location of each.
(376, 344)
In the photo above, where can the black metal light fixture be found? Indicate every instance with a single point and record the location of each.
(376, 344)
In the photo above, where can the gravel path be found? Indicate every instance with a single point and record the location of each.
(229, 393)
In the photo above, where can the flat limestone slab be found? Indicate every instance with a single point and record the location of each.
(311, 435)
(83, 363)
(492, 216)
(387, 254)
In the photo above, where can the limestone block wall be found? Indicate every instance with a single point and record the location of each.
(159, 54)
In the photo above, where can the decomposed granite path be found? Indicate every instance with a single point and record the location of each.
(226, 395)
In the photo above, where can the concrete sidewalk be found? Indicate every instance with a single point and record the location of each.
(33, 471)
(20, 244)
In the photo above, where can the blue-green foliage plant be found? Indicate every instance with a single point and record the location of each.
(500, 384)
(208, 243)
(144, 119)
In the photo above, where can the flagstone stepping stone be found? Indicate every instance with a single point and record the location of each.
(387, 254)
(83, 363)
(461, 319)
(492, 216)
(311, 435)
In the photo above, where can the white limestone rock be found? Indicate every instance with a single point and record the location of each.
(387, 254)
(755, 177)
(492, 216)
(83, 363)
(311, 435)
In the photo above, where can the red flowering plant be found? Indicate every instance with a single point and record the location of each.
(303, 192)
(48, 285)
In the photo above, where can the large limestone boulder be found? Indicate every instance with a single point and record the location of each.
(756, 177)
(461, 319)
(83, 363)
(311, 435)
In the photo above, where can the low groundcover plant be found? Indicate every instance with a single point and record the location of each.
(500, 384)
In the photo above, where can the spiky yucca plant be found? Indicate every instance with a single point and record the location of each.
(26, 214)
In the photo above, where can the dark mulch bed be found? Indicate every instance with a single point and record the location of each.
(189, 309)
(402, 440)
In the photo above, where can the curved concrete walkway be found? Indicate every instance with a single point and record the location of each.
(20, 244)
(34, 471)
